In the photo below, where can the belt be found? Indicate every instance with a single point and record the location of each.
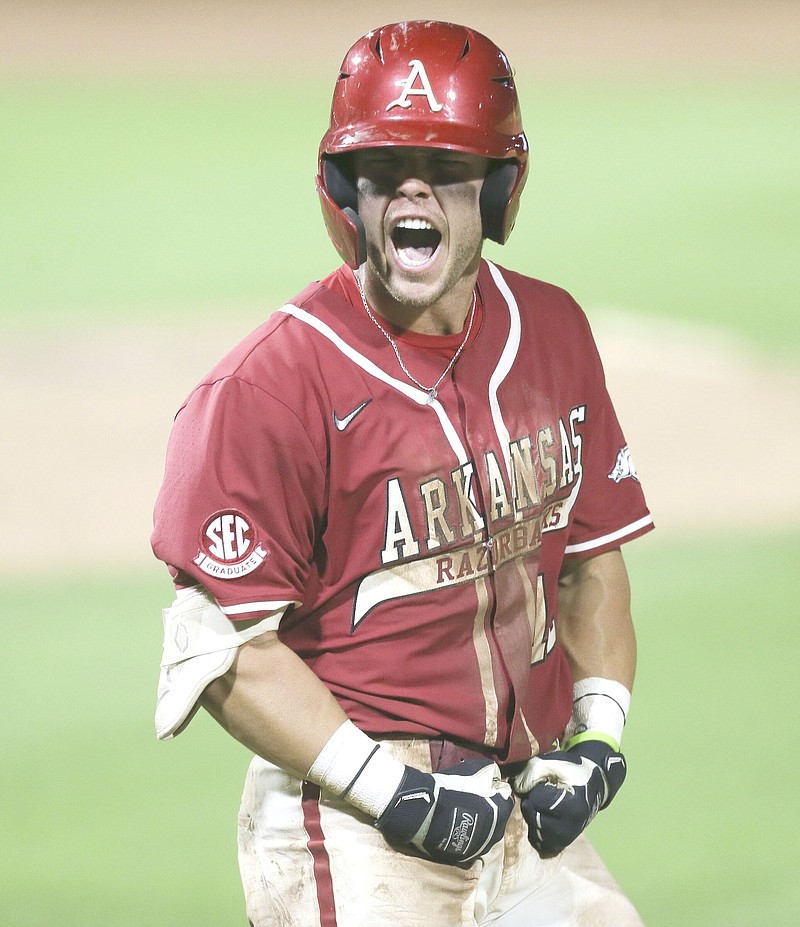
(447, 753)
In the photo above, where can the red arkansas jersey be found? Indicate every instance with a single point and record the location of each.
(417, 543)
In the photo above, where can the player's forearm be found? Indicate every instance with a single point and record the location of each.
(271, 702)
(594, 619)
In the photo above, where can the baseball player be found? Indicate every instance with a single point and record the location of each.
(393, 515)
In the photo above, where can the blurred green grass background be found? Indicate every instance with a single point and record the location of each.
(154, 199)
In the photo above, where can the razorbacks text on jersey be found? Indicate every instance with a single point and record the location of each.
(418, 543)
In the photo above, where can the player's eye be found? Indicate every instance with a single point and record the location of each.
(457, 168)
(377, 168)
(449, 170)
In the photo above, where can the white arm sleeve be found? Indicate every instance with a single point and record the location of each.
(599, 706)
(200, 644)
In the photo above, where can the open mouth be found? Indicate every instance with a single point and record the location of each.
(415, 241)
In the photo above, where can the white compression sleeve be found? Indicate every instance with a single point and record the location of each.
(356, 768)
(599, 706)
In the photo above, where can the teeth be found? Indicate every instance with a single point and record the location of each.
(417, 224)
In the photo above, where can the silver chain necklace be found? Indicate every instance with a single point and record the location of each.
(430, 390)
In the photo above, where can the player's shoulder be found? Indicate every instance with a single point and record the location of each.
(544, 305)
(549, 315)
(531, 293)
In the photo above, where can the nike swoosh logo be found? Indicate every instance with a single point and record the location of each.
(342, 423)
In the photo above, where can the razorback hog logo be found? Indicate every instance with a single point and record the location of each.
(228, 546)
(418, 72)
(624, 468)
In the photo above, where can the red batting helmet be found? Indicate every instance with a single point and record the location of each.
(430, 85)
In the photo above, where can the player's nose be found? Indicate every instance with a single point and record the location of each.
(415, 175)
(414, 187)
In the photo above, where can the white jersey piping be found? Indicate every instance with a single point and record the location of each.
(248, 607)
(504, 365)
(417, 395)
(609, 538)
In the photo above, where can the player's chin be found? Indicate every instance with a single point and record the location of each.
(418, 292)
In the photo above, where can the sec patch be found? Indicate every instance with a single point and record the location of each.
(229, 547)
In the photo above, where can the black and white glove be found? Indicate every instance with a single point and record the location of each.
(453, 816)
(562, 791)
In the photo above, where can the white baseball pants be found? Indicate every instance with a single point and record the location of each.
(310, 860)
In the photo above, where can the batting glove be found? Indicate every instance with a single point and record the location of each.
(453, 816)
(562, 791)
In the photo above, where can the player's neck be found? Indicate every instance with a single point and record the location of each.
(447, 315)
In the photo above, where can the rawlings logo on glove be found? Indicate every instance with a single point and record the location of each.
(453, 816)
(562, 791)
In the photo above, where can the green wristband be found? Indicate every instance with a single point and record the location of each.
(592, 735)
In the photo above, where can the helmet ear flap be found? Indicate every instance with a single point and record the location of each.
(360, 236)
(495, 197)
(339, 183)
(340, 208)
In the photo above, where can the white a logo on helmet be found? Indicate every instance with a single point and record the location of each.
(409, 90)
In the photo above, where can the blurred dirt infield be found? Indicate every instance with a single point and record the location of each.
(557, 36)
(89, 430)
